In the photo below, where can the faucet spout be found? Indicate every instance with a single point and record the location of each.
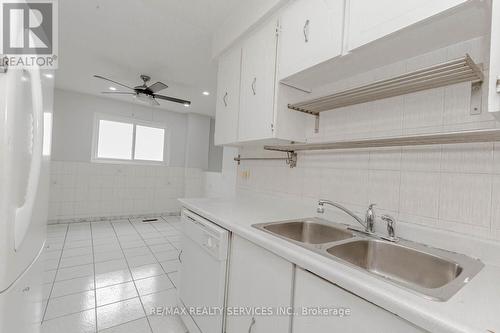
(321, 210)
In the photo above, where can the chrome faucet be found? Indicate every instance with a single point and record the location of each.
(391, 228)
(369, 222)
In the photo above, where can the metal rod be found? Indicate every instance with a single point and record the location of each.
(489, 135)
(451, 72)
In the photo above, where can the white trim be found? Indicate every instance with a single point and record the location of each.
(95, 138)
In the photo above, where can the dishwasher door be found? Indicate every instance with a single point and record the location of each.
(203, 272)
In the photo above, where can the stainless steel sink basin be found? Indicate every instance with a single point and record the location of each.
(398, 263)
(308, 231)
(423, 270)
(429, 272)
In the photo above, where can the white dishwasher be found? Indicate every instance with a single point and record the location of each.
(203, 273)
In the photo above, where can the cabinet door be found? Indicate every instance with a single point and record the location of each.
(228, 97)
(258, 279)
(258, 80)
(310, 33)
(312, 292)
(371, 20)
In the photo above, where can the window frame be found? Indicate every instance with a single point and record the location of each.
(135, 122)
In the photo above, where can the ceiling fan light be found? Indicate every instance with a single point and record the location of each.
(187, 104)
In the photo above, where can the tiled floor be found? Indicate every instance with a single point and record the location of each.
(108, 276)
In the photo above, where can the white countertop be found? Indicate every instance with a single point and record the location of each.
(475, 308)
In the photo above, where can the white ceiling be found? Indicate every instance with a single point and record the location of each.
(170, 40)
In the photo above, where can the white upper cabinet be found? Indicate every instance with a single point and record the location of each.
(228, 97)
(370, 20)
(310, 33)
(258, 81)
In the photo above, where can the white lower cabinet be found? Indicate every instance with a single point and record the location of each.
(312, 293)
(258, 280)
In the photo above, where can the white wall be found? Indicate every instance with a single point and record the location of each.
(197, 141)
(454, 188)
(223, 184)
(214, 152)
(73, 125)
(81, 190)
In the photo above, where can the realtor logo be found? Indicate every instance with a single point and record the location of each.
(29, 33)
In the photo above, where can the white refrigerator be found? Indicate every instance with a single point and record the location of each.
(26, 102)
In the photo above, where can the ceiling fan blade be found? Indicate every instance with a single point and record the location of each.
(157, 87)
(117, 93)
(118, 83)
(173, 99)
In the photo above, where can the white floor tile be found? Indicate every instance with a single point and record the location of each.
(73, 286)
(107, 256)
(49, 276)
(167, 255)
(136, 326)
(112, 278)
(118, 292)
(153, 284)
(119, 313)
(136, 251)
(76, 261)
(69, 304)
(167, 324)
(161, 247)
(79, 251)
(163, 299)
(50, 264)
(110, 266)
(141, 260)
(82, 322)
(170, 266)
(174, 277)
(142, 272)
(155, 241)
(74, 272)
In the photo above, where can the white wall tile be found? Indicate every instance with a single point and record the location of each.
(384, 189)
(495, 213)
(467, 158)
(422, 158)
(420, 194)
(466, 198)
(424, 109)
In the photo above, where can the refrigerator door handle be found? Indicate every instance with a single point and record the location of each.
(25, 210)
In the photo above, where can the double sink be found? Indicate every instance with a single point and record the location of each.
(432, 273)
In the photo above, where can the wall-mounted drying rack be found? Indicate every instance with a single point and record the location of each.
(290, 159)
(450, 72)
(477, 136)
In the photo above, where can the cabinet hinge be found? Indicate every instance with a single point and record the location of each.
(272, 127)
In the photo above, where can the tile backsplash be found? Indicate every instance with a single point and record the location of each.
(451, 187)
(93, 191)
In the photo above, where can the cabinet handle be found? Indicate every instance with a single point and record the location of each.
(180, 256)
(306, 31)
(224, 99)
(252, 323)
(254, 83)
(25, 290)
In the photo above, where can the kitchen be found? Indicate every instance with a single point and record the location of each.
(307, 166)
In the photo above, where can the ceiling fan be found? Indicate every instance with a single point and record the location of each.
(145, 93)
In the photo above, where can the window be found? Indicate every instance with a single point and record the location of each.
(127, 140)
